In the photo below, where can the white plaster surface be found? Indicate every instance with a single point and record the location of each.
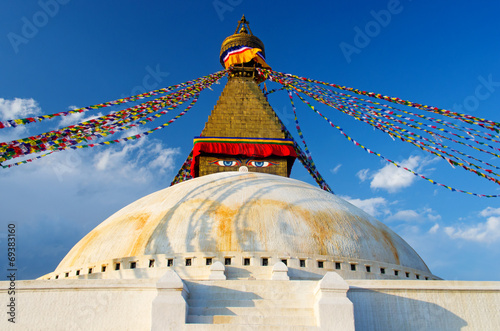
(251, 304)
(217, 271)
(81, 305)
(280, 272)
(332, 308)
(110, 304)
(237, 270)
(241, 212)
(429, 305)
(169, 308)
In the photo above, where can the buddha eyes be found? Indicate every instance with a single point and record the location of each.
(224, 163)
(251, 163)
(260, 164)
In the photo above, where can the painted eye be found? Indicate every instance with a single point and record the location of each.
(224, 163)
(260, 164)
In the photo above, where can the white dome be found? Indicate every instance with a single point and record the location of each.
(242, 212)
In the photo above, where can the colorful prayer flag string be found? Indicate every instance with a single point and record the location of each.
(462, 117)
(24, 121)
(408, 136)
(385, 118)
(306, 160)
(72, 136)
(425, 132)
(184, 172)
(393, 162)
(110, 142)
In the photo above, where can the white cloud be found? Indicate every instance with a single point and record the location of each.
(336, 169)
(433, 217)
(486, 232)
(133, 131)
(18, 108)
(68, 195)
(136, 160)
(405, 215)
(431, 214)
(363, 174)
(410, 215)
(76, 118)
(14, 133)
(392, 178)
(434, 229)
(490, 212)
(372, 206)
(163, 158)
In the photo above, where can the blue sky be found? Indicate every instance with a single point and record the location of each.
(60, 54)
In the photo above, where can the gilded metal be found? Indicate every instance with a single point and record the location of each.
(241, 38)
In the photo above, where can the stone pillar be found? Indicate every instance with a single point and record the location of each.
(280, 272)
(333, 310)
(217, 271)
(170, 308)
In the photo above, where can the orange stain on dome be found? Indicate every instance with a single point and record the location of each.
(81, 247)
(388, 240)
(247, 225)
(137, 222)
(145, 228)
(227, 239)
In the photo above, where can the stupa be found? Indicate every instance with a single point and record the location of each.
(241, 208)
(244, 246)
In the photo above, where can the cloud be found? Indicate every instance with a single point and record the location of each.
(430, 214)
(393, 179)
(18, 108)
(363, 174)
(405, 215)
(372, 206)
(136, 161)
(163, 158)
(410, 215)
(433, 217)
(490, 212)
(76, 118)
(486, 232)
(14, 109)
(14, 133)
(336, 169)
(434, 229)
(71, 192)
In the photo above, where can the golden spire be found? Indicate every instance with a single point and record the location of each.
(242, 36)
(242, 22)
(243, 131)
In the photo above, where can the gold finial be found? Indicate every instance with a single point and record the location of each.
(242, 22)
(243, 36)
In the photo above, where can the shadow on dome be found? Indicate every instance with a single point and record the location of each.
(219, 190)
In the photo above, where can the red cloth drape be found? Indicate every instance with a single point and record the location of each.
(250, 150)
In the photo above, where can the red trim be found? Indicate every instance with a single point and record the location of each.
(250, 150)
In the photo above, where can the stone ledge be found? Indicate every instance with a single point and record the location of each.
(81, 284)
(360, 285)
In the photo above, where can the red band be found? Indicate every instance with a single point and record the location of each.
(250, 150)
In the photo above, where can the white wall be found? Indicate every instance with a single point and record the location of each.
(111, 304)
(80, 305)
(428, 305)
